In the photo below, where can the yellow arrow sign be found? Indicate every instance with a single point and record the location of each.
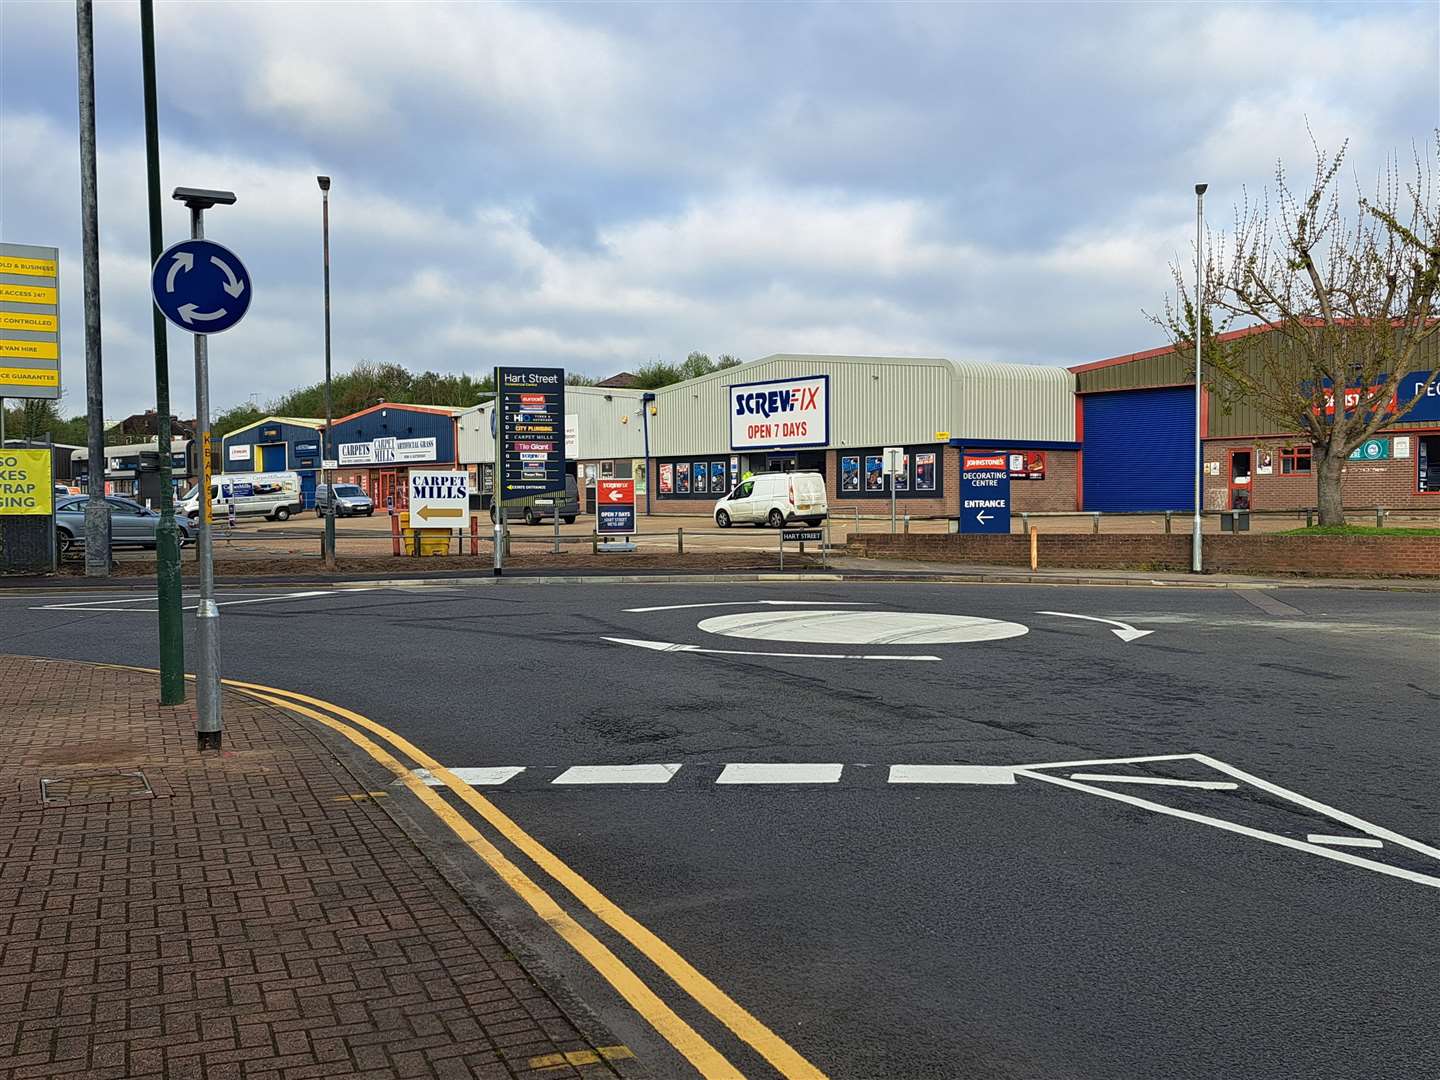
(433, 512)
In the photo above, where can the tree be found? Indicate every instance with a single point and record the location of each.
(1350, 304)
(659, 373)
(234, 418)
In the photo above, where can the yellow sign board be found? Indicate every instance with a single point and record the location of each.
(24, 320)
(26, 484)
(29, 376)
(30, 350)
(942, 436)
(30, 267)
(29, 294)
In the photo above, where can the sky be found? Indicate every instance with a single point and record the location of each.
(599, 186)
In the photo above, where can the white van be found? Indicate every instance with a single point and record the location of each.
(274, 494)
(774, 499)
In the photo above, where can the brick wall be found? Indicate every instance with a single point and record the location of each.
(1366, 484)
(1055, 493)
(1317, 556)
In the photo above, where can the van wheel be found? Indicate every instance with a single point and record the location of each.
(530, 518)
(722, 519)
(570, 520)
(776, 520)
(282, 513)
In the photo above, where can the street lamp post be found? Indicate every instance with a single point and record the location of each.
(329, 445)
(1195, 553)
(208, 724)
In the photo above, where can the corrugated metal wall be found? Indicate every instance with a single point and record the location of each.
(1167, 369)
(881, 400)
(402, 423)
(609, 429)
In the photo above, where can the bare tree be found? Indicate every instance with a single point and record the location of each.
(1349, 295)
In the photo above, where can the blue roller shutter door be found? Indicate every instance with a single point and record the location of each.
(1140, 450)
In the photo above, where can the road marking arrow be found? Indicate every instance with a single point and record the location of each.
(183, 261)
(190, 313)
(672, 647)
(233, 285)
(1125, 631)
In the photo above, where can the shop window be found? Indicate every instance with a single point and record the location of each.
(1428, 455)
(1294, 460)
(862, 474)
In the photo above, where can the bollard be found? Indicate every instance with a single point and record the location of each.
(1095, 529)
(394, 535)
(1034, 548)
(474, 535)
(1309, 519)
(594, 542)
(1025, 524)
(680, 540)
(1168, 515)
(1379, 517)
(907, 523)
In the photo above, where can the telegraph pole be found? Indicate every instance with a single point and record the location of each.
(97, 511)
(167, 536)
(1196, 559)
(327, 448)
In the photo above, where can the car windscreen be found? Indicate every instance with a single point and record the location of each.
(350, 491)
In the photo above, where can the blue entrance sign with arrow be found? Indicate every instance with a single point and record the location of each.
(985, 493)
(201, 286)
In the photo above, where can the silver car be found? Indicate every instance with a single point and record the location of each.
(131, 525)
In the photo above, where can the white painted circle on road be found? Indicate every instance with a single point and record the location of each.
(862, 627)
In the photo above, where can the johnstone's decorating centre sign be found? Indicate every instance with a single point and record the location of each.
(985, 493)
(780, 413)
(386, 451)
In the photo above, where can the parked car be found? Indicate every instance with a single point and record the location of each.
(569, 507)
(131, 525)
(350, 499)
(276, 495)
(774, 499)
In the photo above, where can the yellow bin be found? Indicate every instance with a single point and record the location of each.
(432, 541)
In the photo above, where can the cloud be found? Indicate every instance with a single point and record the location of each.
(600, 186)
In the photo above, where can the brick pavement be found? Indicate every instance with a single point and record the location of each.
(251, 918)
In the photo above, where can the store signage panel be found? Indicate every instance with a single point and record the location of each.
(532, 431)
(780, 413)
(985, 493)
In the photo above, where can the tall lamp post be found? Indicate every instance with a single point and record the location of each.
(328, 449)
(1195, 554)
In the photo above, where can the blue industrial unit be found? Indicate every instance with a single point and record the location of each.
(1139, 449)
(277, 444)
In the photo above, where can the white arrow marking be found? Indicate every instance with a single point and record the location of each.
(183, 261)
(190, 313)
(233, 285)
(671, 646)
(748, 603)
(1126, 632)
(982, 517)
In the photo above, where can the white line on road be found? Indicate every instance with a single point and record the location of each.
(674, 647)
(100, 605)
(1165, 781)
(617, 774)
(1245, 830)
(952, 774)
(748, 603)
(497, 774)
(1126, 632)
(1104, 761)
(1343, 841)
(755, 773)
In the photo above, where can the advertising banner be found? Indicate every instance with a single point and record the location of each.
(532, 412)
(29, 321)
(780, 413)
(985, 493)
(439, 499)
(26, 487)
(615, 507)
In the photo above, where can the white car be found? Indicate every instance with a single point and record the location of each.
(774, 499)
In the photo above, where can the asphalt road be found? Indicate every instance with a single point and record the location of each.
(1172, 918)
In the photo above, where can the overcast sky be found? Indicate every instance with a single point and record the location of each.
(599, 186)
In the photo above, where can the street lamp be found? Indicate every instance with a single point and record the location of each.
(1195, 558)
(207, 612)
(329, 446)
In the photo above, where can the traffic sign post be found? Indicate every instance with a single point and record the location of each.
(203, 288)
(984, 493)
(892, 463)
(615, 507)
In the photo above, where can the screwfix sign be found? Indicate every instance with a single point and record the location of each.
(780, 413)
(615, 507)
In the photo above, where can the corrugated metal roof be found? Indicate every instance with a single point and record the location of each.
(298, 421)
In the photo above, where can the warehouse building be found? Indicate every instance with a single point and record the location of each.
(1137, 424)
(277, 444)
(606, 428)
(835, 414)
(377, 447)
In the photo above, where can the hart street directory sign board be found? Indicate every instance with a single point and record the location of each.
(29, 321)
(531, 436)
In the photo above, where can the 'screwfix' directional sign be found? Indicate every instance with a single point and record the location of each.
(984, 493)
(615, 507)
(439, 499)
(201, 286)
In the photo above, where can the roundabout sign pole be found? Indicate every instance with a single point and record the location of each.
(204, 289)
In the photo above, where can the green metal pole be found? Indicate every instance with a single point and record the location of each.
(167, 536)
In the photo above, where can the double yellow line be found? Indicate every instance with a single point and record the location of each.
(707, 1060)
